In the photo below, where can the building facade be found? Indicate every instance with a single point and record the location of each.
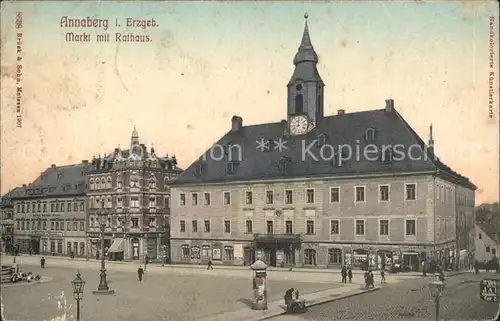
(7, 223)
(305, 192)
(49, 213)
(130, 188)
(487, 242)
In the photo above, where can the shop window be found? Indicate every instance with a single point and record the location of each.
(228, 253)
(334, 256)
(310, 257)
(185, 251)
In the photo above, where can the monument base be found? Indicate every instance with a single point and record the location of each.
(259, 305)
(103, 292)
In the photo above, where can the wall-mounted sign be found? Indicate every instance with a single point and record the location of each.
(195, 252)
(488, 290)
(216, 255)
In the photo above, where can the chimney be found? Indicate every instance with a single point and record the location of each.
(431, 142)
(85, 162)
(389, 105)
(53, 166)
(340, 111)
(236, 123)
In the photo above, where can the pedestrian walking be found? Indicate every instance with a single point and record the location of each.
(72, 255)
(209, 266)
(382, 275)
(349, 275)
(140, 272)
(343, 273)
(42, 262)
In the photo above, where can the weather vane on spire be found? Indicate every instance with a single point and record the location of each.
(306, 15)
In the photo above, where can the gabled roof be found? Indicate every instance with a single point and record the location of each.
(489, 231)
(56, 181)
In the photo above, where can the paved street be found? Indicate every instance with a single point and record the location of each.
(408, 300)
(162, 296)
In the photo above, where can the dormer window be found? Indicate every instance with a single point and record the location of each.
(386, 154)
(231, 167)
(270, 144)
(198, 169)
(283, 164)
(370, 135)
(321, 140)
(340, 158)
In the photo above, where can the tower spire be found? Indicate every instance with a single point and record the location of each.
(306, 39)
(306, 51)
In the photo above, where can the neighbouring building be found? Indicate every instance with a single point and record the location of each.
(49, 213)
(7, 222)
(130, 187)
(314, 190)
(487, 242)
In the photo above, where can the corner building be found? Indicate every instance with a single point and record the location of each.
(286, 191)
(130, 187)
(49, 213)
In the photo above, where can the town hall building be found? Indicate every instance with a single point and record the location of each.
(356, 189)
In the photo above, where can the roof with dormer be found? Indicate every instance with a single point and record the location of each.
(349, 129)
(55, 181)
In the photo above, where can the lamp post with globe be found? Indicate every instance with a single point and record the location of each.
(103, 287)
(436, 287)
(78, 285)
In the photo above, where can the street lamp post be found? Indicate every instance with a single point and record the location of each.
(78, 285)
(436, 286)
(103, 287)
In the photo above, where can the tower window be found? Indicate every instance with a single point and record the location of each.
(299, 104)
(298, 87)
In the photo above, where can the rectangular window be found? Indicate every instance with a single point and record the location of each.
(45, 225)
(334, 227)
(270, 227)
(334, 256)
(334, 194)
(269, 197)
(152, 202)
(410, 227)
(487, 249)
(167, 201)
(410, 192)
(134, 202)
(44, 207)
(57, 207)
(360, 227)
(206, 197)
(360, 193)
(288, 196)
(75, 207)
(249, 226)
(52, 207)
(383, 193)
(248, 198)
(228, 253)
(57, 226)
(227, 198)
(183, 226)
(309, 195)
(207, 226)
(135, 222)
(68, 207)
(310, 227)
(194, 225)
(194, 199)
(182, 199)
(28, 207)
(82, 226)
(384, 227)
(185, 252)
(119, 202)
(227, 226)
(289, 227)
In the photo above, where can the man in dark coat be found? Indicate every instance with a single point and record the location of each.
(349, 275)
(140, 272)
(42, 262)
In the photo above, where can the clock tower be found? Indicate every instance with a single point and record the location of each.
(305, 89)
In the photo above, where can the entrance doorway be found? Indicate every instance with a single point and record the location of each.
(248, 255)
(270, 256)
(35, 245)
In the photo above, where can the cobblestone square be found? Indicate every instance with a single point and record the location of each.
(159, 297)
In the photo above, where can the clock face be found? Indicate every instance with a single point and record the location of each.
(298, 125)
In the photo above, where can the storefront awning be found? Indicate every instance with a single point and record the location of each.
(117, 246)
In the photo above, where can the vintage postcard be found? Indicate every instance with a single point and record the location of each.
(249, 160)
